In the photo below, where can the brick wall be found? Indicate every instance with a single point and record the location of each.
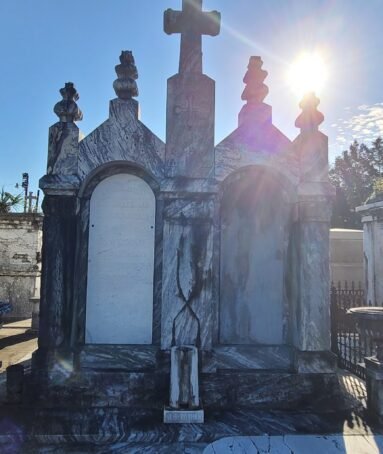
(20, 252)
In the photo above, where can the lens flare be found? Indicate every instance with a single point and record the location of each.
(307, 73)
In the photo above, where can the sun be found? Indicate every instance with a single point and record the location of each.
(307, 73)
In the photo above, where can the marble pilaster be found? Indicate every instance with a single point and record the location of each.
(190, 126)
(53, 359)
(187, 287)
(312, 312)
(311, 321)
(372, 218)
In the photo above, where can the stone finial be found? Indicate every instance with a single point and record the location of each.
(125, 85)
(67, 110)
(255, 91)
(310, 118)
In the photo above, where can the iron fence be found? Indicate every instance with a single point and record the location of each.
(350, 347)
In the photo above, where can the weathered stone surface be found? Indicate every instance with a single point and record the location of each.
(122, 138)
(125, 85)
(121, 251)
(255, 232)
(192, 23)
(131, 430)
(374, 384)
(238, 389)
(58, 254)
(118, 357)
(240, 249)
(315, 362)
(63, 149)
(67, 109)
(310, 286)
(20, 261)
(183, 416)
(372, 218)
(312, 312)
(190, 126)
(248, 357)
(254, 145)
(187, 281)
(184, 379)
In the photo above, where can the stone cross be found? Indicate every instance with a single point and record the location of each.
(192, 23)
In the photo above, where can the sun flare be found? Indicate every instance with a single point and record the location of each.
(307, 73)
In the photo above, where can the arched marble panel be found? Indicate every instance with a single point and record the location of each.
(255, 230)
(119, 307)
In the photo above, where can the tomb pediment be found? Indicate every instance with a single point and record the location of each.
(123, 137)
(254, 145)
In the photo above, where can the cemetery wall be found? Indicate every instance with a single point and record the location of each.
(20, 256)
(346, 255)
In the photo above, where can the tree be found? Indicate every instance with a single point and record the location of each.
(9, 201)
(353, 176)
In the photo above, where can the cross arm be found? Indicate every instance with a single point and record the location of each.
(206, 23)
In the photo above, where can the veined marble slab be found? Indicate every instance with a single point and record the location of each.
(118, 357)
(247, 357)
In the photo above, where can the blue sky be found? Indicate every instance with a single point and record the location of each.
(45, 43)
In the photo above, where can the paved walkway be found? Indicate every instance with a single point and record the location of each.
(17, 343)
(298, 444)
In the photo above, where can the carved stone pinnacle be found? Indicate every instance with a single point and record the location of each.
(255, 91)
(310, 118)
(125, 85)
(67, 110)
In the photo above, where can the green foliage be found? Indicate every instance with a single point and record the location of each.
(9, 202)
(353, 176)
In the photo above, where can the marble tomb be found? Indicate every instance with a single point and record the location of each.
(185, 275)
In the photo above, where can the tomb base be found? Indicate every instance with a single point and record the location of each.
(139, 377)
(172, 416)
(374, 383)
(219, 391)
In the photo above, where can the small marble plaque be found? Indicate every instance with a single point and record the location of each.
(183, 416)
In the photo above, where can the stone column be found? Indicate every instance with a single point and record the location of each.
(312, 325)
(191, 95)
(372, 218)
(59, 232)
(60, 187)
(187, 283)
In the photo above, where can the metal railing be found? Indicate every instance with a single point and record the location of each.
(350, 347)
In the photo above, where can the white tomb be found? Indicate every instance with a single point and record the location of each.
(119, 306)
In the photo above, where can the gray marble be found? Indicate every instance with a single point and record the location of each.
(63, 149)
(310, 362)
(254, 245)
(240, 246)
(191, 95)
(117, 357)
(264, 146)
(372, 219)
(190, 126)
(192, 23)
(184, 381)
(313, 316)
(248, 357)
(187, 283)
(131, 430)
(121, 138)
